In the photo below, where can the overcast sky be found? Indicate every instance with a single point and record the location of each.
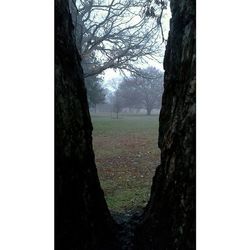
(99, 15)
(110, 74)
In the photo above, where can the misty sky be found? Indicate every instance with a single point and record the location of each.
(99, 14)
(111, 75)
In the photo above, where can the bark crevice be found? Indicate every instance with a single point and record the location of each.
(82, 219)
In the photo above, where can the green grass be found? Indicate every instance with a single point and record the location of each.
(105, 125)
(126, 156)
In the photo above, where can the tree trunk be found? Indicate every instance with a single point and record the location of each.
(82, 219)
(149, 111)
(169, 219)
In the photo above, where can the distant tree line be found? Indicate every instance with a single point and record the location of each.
(136, 92)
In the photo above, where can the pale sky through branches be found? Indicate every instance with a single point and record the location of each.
(127, 41)
(111, 75)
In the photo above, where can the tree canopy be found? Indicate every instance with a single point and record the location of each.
(117, 34)
(96, 93)
(142, 93)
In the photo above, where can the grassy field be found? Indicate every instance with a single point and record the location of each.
(126, 156)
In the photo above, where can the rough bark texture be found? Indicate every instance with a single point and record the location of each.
(169, 219)
(82, 219)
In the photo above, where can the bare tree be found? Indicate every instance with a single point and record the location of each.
(130, 93)
(155, 9)
(151, 89)
(117, 32)
(117, 103)
(141, 92)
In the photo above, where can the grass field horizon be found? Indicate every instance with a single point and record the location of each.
(127, 155)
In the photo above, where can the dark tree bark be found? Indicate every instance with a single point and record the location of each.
(82, 219)
(169, 218)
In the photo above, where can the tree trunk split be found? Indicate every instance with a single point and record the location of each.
(82, 219)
